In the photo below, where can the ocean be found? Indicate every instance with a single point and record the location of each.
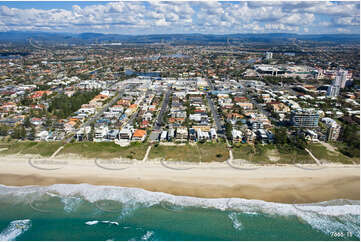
(88, 212)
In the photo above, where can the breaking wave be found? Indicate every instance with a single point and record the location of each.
(104, 222)
(15, 228)
(335, 215)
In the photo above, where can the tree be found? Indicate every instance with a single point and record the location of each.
(27, 122)
(300, 143)
(4, 130)
(22, 132)
(281, 136)
(44, 97)
(16, 134)
(32, 132)
(351, 136)
(229, 130)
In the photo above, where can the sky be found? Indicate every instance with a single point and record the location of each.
(205, 17)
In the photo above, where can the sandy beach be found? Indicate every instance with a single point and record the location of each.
(286, 183)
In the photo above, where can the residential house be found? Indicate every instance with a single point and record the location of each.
(278, 107)
(213, 134)
(249, 136)
(116, 108)
(163, 135)
(39, 94)
(311, 135)
(182, 134)
(139, 135)
(69, 126)
(192, 134)
(202, 135)
(154, 136)
(125, 133)
(112, 134)
(237, 136)
(36, 121)
(245, 105)
(100, 133)
(171, 134)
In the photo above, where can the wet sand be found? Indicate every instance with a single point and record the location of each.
(286, 184)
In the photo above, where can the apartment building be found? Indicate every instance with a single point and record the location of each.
(305, 118)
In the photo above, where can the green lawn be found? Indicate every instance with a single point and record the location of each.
(340, 146)
(206, 152)
(177, 153)
(105, 150)
(250, 153)
(295, 157)
(213, 152)
(269, 154)
(31, 147)
(322, 153)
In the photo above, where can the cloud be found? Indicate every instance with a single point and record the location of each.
(342, 30)
(281, 27)
(348, 21)
(188, 17)
(335, 8)
(297, 19)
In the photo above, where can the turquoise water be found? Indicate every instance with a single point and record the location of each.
(87, 212)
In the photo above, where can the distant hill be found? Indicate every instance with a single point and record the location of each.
(174, 38)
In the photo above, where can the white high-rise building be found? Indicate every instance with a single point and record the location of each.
(333, 90)
(342, 78)
(269, 55)
(339, 82)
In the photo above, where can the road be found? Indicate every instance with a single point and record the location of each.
(213, 109)
(163, 109)
(215, 114)
(210, 84)
(88, 71)
(134, 115)
(261, 109)
(97, 115)
(36, 46)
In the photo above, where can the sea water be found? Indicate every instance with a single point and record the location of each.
(87, 212)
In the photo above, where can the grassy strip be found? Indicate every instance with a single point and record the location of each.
(213, 152)
(177, 153)
(295, 157)
(250, 153)
(106, 150)
(30, 147)
(321, 153)
(269, 154)
(342, 147)
(206, 152)
(86, 149)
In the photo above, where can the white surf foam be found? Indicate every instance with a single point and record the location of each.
(326, 216)
(110, 222)
(92, 222)
(104, 222)
(15, 228)
(235, 221)
(147, 235)
(71, 203)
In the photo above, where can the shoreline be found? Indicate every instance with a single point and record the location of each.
(272, 183)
